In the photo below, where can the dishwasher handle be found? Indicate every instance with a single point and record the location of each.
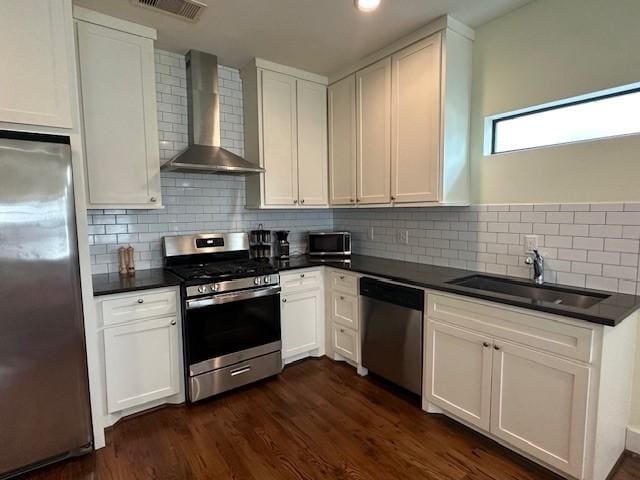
(408, 297)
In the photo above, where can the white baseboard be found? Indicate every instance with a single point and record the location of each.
(633, 439)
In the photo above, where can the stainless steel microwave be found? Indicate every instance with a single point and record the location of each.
(330, 243)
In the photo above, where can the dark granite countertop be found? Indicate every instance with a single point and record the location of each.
(610, 311)
(108, 283)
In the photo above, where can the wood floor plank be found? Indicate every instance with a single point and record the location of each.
(317, 420)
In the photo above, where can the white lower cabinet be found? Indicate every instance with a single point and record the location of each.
(142, 362)
(539, 404)
(302, 314)
(459, 375)
(553, 388)
(141, 351)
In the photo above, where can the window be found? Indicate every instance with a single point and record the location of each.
(599, 115)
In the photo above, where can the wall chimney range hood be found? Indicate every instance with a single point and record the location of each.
(204, 154)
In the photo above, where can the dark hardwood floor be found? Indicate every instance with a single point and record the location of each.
(318, 420)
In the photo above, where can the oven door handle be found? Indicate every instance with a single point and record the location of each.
(231, 297)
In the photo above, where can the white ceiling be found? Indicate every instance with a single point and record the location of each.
(322, 36)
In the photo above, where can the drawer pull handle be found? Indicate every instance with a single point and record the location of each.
(241, 370)
(173, 322)
(496, 347)
(486, 344)
(140, 300)
(302, 275)
(284, 300)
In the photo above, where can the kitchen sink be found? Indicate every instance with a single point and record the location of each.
(536, 293)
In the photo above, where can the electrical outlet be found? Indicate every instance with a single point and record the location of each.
(530, 243)
(370, 233)
(403, 236)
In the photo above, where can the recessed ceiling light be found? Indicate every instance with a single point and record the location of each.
(367, 5)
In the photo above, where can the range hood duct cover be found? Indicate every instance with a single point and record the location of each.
(204, 154)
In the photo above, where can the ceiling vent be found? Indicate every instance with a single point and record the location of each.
(185, 9)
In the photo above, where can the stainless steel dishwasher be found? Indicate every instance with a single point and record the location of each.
(392, 322)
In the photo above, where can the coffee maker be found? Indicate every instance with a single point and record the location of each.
(282, 245)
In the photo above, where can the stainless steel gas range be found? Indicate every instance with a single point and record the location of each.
(231, 306)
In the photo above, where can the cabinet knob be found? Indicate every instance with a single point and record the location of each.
(486, 344)
(173, 322)
(393, 198)
(302, 275)
(140, 300)
(284, 300)
(295, 201)
(357, 200)
(302, 201)
(496, 347)
(341, 277)
(342, 330)
(351, 200)
(341, 297)
(153, 199)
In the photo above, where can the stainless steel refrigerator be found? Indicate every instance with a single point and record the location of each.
(44, 395)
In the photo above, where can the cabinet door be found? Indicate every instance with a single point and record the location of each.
(539, 405)
(342, 141)
(35, 63)
(373, 107)
(117, 76)
(458, 372)
(312, 143)
(415, 129)
(279, 139)
(142, 362)
(300, 319)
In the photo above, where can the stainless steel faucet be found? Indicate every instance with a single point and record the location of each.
(537, 261)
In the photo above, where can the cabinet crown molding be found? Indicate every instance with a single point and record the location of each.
(263, 64)
(91, 16)
(445, 22)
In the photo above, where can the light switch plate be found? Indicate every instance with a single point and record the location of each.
(370, 233)
(403, 236)
(530, 243)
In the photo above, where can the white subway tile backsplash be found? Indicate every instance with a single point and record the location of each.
(580, 248)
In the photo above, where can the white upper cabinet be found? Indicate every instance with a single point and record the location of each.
(415, 128)
(342, 141)
(312, 144)
(117, 81)
(279, 139)
(412, 121)
(285, 114)
(35, 62)
(373, 107)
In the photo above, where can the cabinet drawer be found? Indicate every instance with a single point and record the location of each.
(533, 329)
(344, 309)
(345, 342)
(127, 308)
(345, 282)
(298, 281)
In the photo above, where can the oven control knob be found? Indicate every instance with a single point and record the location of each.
(202, 289)
(215, 287)
(256, 281)
(266, 280)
